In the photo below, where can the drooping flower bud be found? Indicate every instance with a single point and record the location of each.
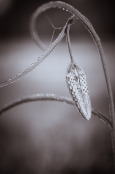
(78, 88)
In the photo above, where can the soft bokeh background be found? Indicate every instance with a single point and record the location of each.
(50, 137)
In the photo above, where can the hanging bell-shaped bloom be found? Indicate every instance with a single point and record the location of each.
(77, 84)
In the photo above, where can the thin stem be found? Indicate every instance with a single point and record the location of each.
(35, 64)
(51, 97)
(69, 43)
(41, 58)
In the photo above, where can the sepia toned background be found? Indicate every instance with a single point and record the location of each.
(51, 137)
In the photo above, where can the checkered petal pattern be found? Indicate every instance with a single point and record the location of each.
(78, 88)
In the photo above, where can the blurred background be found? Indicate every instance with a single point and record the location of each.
(51, 137)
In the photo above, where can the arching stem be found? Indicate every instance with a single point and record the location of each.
(51, 97)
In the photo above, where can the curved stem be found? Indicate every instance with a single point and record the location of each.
(89, 27)
(51, 97)
(35, 64)
(42, 57)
